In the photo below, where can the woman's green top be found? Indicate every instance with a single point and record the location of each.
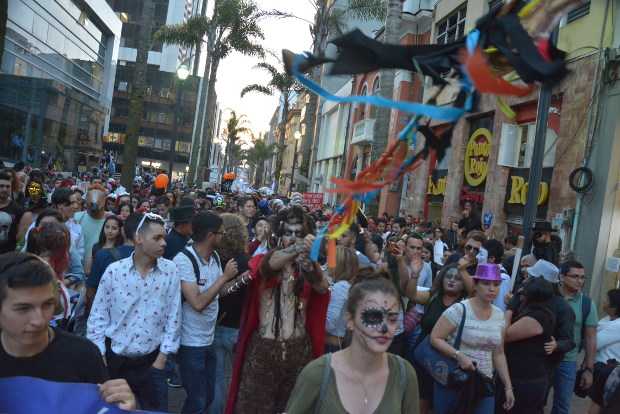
(401, 391)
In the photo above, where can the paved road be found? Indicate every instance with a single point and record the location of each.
(177, 396)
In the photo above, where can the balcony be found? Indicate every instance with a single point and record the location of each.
(363, 132)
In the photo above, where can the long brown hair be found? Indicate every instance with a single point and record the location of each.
(235, 239)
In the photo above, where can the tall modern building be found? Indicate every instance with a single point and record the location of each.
(56, 82)
(170, 103)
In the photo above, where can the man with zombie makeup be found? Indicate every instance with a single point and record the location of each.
(283, 325)
(92, 221)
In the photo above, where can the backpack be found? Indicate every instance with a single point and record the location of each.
(586, 306)
(194, 262)
(402, 370)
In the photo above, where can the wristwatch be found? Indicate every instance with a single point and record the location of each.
(456, 354)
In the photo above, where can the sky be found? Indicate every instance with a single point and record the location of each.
(237, 71)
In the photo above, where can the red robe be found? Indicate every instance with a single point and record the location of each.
(316, 312)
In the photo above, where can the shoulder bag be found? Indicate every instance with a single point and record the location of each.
(443, 369)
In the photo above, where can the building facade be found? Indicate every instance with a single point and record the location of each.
(165, 138)
(367, 121)
(489, 161)
(58, 71)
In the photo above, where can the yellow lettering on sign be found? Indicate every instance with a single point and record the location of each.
(477, 157)
(518, 191)
(438, 188)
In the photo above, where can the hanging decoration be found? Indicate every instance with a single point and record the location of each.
(508, 53)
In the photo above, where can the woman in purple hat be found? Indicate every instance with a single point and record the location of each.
(482, 345)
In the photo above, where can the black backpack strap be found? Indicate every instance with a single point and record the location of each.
(586, 306)
(324, 383)
(192, 259)
(217, 259)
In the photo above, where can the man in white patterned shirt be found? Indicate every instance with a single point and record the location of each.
(135, 317)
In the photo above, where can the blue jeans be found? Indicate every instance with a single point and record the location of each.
(160, 391)
(563, 386)
(197, 366)
(223, 345)
(445, 400)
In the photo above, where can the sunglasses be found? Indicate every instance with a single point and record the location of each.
(469, 247)
(151, 217)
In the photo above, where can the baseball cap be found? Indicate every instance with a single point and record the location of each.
(546, 270)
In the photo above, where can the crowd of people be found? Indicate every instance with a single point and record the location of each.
(144, 289)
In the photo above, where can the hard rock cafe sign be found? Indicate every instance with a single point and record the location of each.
(477, 157)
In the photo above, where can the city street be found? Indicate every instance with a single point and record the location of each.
(346, 195)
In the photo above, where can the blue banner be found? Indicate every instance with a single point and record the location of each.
(26, 395)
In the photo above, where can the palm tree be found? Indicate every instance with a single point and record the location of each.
(234, 26)
(330, 18)
(256, 157)
(235, 126)
(136, 95)
(283, 84)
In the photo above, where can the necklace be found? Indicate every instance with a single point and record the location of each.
(360, 380)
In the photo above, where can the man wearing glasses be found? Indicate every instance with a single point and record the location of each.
(202, 279)
(573, 278)
(469, 261)
(136, 315)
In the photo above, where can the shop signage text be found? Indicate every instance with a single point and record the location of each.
(518, 191)
(477, 157)
(436, 187)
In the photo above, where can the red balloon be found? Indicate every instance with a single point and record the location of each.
(161, 181)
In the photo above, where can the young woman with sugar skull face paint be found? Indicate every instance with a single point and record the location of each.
(364, 377)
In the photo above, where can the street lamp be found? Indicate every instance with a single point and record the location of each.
(297, 136)
(183, 72)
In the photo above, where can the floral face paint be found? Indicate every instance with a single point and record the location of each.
(377, 318)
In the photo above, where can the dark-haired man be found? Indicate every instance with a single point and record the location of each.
(13, 220)
(572, 281)
(286, 311)
(181, 232)
(470, 221)
(61, 201)
(30, 347)
(202, 279)
(136, 315)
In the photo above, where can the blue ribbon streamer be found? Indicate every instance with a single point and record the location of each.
(316, 245)
(441, 113)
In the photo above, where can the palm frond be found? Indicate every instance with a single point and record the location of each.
(256, 88)
(187, 34)
(367, 9)
(269, 68)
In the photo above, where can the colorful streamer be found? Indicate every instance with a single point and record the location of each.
(500, 46)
